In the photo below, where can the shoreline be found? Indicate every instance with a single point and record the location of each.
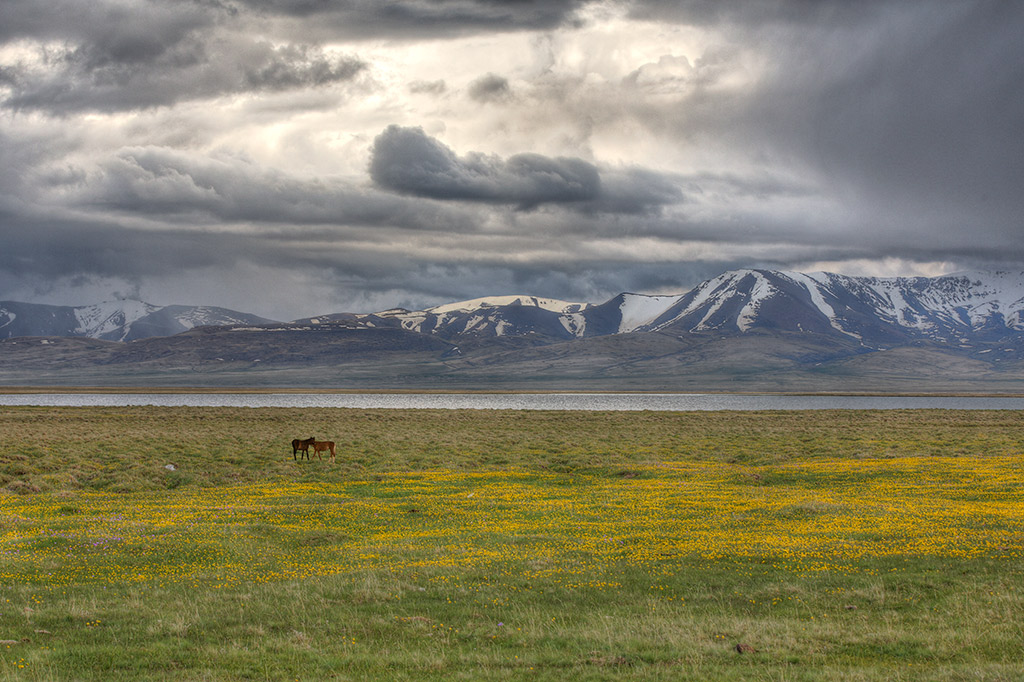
(201, 390)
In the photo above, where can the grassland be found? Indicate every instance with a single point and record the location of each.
(182, 543)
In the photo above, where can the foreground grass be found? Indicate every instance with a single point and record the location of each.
(477, 545)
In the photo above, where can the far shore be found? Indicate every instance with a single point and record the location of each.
(172, 390)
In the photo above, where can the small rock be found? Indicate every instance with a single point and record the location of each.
(170, 467)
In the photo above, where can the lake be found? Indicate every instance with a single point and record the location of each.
(517, 401)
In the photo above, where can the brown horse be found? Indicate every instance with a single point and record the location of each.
(303, 446)
(324, 446)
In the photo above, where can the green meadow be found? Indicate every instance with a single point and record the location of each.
(187, 544)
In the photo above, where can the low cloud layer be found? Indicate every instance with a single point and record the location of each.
(296, 157)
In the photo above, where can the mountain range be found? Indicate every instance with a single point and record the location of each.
(123, 320)
(749, 327)
(955, 310)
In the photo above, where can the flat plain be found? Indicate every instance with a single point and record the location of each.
(187, 543)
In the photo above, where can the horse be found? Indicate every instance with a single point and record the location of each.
(324, 446)
(302, 445)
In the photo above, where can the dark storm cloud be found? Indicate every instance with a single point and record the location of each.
(490, 88)
(930, 121)
(715, 13)
(361, 19)
(409, 161)
(145, 26)
(121, 30)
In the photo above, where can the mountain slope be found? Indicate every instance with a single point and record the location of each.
(961, 310)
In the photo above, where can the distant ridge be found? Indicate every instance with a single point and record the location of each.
(124, 320)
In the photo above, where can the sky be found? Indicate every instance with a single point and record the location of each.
(290, 158)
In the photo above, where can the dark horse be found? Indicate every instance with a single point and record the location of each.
(302, 445)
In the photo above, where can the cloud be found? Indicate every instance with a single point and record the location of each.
(428, 87)
(895, 124)
(490, 88)
(90, 247)
(409, 161)
(715, 13)
(93, 77)
(143, 140)
(143, 25)
(916, 116)
(119, 29)
(409, 19)
(182, 186)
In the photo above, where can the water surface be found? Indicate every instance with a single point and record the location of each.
(517, 401)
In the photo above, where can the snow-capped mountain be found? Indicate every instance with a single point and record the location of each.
(517, 316)
(958, 309)
(962, 311)
(123, 320)
(111, 320)
(954, 310)
(481, 317)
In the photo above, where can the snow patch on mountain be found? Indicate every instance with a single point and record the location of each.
(574, 323)
(814, 283)
(551, 304)
(762, 290)
(473, 322)
(712, 293)
(968, 301)
(638, 310)
(722, 291)
(201, 316)
(111, 317)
